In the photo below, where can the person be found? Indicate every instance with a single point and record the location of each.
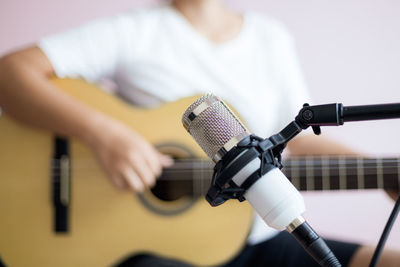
(161, 54)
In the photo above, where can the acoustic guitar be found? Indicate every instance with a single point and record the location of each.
(58, 209)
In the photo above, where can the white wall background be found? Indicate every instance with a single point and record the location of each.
(350, 53)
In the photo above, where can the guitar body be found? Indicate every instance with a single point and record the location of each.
(107, 225)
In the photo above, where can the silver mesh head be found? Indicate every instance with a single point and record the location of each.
(213, 126)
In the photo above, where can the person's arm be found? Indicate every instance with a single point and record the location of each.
(318, 145)
(27, 95)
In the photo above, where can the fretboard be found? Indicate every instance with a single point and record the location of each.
(342, 173)
(309, 173)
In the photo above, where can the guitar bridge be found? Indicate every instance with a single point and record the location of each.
(61, 185)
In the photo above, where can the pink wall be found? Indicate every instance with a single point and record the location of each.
(350, 53)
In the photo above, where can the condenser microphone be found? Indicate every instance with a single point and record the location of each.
(241, 165)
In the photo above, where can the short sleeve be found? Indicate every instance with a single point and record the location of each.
(92, 51)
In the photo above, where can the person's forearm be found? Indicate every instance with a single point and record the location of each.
(317, 145)
(27, 94)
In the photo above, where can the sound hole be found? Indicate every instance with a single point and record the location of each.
(172, 187)
(173, 192)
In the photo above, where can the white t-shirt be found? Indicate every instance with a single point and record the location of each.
(155, 55)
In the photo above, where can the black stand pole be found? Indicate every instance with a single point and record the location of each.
(385, 233)
(371, 112)
(336, 114)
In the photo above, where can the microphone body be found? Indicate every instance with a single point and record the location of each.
(219, 133)
(272, 196)
(217, 130)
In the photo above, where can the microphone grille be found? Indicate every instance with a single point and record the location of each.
(213, 125)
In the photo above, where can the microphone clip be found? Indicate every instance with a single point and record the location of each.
(222, 185)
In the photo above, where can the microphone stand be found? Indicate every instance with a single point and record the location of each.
(335, 115)
(269, 151)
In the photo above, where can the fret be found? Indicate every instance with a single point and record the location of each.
(351, 173)
(342, 173)
(379, 173)
(370, 180)
(360, 173)
(295, 172)
(325, 173)
(390, 175)
(309, 173)
(334, 174)
(303, 174)
(317, 172)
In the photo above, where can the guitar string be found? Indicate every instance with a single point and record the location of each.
(285, 163)
(285, 168)
(353, 176)
(186, 176)
(301, 159)
(294, 168)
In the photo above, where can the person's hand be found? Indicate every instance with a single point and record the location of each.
(128, 159)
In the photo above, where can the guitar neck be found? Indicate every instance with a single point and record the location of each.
(342, 173)
(310, 173)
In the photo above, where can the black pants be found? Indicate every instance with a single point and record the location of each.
(280, 251)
